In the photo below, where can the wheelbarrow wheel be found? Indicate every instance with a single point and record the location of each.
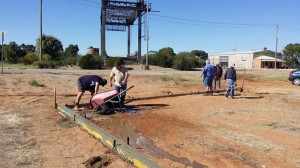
(102, 109)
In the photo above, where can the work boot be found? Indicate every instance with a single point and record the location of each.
(226, 95)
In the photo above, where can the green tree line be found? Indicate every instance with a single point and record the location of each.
(55, 55)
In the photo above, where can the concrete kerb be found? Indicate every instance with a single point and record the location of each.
(125, 151)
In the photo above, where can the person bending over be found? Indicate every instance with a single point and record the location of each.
(89, 83)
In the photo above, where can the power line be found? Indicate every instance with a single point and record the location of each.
(82, 2)
(217, 23)
(207, 25)
(290, 28)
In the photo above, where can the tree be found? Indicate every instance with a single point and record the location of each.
(72, 50)
(11, 53)
(292, 55)
(164, 57)
(181, 62)
(201, 54)
(185, 61)
(50, 45)
(70, 55)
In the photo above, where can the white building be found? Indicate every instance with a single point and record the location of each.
(248, 59)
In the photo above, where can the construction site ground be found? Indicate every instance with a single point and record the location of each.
(260, 128)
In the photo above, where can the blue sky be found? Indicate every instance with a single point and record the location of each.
(184, 25)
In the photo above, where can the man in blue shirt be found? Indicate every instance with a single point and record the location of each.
(208, 76)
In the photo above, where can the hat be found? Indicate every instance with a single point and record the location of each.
(233, 65)
(103, 82)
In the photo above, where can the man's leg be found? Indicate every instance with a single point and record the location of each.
(119, 91)
(219, 83)
(215, 83)
(92, 92)
(123, 88)
(232, 90)
(211, 79)
(78, 100)
(228, 87)
(79, 94)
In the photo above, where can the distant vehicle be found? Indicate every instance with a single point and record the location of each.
(295, 77)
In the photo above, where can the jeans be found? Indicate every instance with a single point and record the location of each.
(230, 88)
(120, 89)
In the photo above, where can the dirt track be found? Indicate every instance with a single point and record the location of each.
(258, 129)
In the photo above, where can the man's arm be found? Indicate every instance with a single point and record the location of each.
(111, 77)
(96, 88)
(110, 81)
(124, 82)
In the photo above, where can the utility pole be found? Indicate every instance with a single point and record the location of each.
(276, 46)
(41, 30)
(147, 32)
(2, 33)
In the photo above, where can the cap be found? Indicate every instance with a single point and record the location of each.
(103, 82)
(233, 65)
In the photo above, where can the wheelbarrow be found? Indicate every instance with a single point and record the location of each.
(104, 103)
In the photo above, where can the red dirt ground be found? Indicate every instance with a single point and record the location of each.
(258, 129)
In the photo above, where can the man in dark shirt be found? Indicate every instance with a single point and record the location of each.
(90, 83)
(230, 76)
(218, 76)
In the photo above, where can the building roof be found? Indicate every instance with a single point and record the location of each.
(241, 52)
(268, 58)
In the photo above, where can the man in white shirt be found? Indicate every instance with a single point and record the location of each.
(120, 75)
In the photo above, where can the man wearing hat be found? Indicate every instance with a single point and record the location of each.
(230, 76)
(90, 83)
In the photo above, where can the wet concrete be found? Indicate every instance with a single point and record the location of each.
(118, 126)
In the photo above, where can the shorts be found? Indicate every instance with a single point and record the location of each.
(84, 88)
(208, 81)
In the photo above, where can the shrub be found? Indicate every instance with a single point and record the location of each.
(111, 61)
(147, 67)
(181, 63)
(29, 59)
(90, 62)
(35, 83)
(47, 64)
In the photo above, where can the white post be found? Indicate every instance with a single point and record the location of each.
(55, 104)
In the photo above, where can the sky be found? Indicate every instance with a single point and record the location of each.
(213, 26)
